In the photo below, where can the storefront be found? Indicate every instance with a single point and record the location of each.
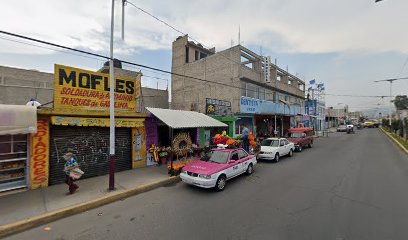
(221, 110)
(266, 118)
(16, 123)
(199, 127)
(88, 139)
(79, 123)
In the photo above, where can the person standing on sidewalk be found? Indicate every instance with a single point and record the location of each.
(245, 138)
(69, 166)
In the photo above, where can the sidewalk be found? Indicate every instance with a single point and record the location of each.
(34, 203)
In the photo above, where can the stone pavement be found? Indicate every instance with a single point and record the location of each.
(33, 203)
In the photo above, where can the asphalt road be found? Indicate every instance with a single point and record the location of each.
(348, 186)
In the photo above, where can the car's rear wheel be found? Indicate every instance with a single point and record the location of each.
(221, 182)
(290, 153)
(300, 148)
(250, 169)
(277, 157)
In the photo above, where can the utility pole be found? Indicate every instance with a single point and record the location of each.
(112, 109)
(391, 81)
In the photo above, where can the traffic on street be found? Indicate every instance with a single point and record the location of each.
(327, 192)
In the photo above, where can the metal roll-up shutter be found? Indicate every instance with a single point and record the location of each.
(91, 147)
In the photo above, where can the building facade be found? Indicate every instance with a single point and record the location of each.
(75, 118)
(237, 84)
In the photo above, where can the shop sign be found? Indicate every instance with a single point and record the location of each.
(217, 107)
(39, 160)
(138, 147)
(256, 106)
(267, 64)
(97, 122)
(80, 89)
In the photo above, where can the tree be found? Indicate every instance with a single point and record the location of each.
(401, 102)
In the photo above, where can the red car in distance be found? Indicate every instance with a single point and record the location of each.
(301, 137)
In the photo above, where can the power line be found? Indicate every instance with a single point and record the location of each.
(151, 68)
(350, 95)
(179, 31)
(53, 44)
(126, 62)
(49, 48)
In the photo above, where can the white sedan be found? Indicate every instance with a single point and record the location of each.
(274, 148)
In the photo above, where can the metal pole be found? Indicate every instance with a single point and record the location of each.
(123, 19)
(112, 109)
(390, 103)
(275, 131)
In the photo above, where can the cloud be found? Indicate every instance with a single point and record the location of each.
(296, 26)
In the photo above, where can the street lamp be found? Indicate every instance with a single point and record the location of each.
(391, 80)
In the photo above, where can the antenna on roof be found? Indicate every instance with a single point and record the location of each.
(239, 34)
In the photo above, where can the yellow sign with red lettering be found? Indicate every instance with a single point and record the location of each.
(80, 89)
(39, 160)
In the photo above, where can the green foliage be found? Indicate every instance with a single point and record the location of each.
(401, 102)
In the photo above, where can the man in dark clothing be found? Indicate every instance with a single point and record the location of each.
(245, 138)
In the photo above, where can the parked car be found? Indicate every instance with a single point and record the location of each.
(274, 148)
(301, 137)
(342, 128)
(219, 166)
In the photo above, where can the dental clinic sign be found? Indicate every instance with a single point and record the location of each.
(256, 106)
(249, 105)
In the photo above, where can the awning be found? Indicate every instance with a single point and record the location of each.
(184, 119)
(17, 119)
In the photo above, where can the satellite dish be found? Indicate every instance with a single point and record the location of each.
(33, 103)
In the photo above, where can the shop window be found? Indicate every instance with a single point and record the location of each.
(5, 148)
(243, 122)
(251, 91)
(243, 89)
(262, 93)
(13, 144)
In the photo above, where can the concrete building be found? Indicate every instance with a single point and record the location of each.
(18, 86)
(336, 116)
(234, 85)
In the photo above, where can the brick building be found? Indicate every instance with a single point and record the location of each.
(235, 86)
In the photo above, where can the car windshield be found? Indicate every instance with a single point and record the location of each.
(296, 135)
(270, 143)
(217, 157)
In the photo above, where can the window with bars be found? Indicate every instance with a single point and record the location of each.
(13, 146)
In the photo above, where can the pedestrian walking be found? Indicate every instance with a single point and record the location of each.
(245, 138)
(72, 172)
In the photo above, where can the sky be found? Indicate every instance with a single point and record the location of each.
(345, 44)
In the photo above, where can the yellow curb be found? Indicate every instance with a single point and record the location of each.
(20, 226)
(394, 140)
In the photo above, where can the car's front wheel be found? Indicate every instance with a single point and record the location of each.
(300, 148)
(277, 157)
(250, 169)
(290, 153)
(220, 184)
